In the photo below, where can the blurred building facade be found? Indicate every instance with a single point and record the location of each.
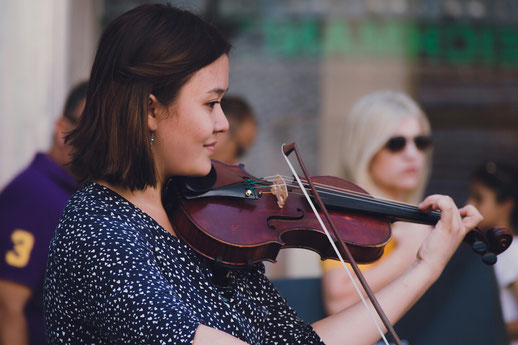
(301, 65)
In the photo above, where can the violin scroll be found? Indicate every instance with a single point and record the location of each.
(490, 243)
(499, 239)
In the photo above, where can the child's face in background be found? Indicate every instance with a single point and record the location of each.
(484, 199)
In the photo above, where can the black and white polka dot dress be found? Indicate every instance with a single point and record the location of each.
(114, 276)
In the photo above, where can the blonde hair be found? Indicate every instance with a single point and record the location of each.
(371, 122)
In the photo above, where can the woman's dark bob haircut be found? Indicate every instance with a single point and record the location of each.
(152, 49)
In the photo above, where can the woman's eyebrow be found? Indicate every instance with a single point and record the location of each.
(218, 91)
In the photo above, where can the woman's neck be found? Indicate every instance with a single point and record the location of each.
(148, 200)
(149, 195)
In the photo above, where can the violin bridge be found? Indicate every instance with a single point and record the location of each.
(280, 190)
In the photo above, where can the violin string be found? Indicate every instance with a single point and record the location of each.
(369, 309)
(340, 190)
(369, 201)
(336, 190)
(372, 201)
(360, 197)
(347, 192)
(366, 198)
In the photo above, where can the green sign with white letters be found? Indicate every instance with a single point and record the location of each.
(460, 43)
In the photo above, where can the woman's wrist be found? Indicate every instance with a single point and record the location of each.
(430, 271)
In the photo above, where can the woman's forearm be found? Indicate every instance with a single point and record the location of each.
(339, 292)
(395, 299)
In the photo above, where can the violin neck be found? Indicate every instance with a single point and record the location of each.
(382, 208)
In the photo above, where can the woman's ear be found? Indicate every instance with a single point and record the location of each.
(153, 109)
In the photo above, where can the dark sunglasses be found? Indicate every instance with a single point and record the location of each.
(397, 144)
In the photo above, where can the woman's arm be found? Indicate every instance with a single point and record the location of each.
(398, 296)
(338, 290)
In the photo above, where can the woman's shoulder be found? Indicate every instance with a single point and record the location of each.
(91, 201)
(88, 196)
(95, 210)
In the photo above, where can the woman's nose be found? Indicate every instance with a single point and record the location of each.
(411, 150)
(220, 122)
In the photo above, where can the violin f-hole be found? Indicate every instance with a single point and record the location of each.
(284, 218)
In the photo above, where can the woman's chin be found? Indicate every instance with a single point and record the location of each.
(408, 188)
(408, 183)
(203, 169)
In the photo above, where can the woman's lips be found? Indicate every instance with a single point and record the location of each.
(411, 170)
(210, 147)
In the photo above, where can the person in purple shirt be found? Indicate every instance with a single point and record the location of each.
(30, 208)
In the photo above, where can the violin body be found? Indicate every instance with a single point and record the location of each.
(239, 231)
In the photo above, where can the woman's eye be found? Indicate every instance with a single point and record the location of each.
(212, 104)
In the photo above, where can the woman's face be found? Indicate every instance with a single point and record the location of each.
(186, 132)
(484, 199)
(398, 172)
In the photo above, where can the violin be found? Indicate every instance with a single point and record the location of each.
(237, 219)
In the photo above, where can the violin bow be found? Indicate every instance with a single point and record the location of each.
(342, 250)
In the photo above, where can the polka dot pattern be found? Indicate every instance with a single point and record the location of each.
(114, 276)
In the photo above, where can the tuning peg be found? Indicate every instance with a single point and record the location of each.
(479, 247)
(489, 258)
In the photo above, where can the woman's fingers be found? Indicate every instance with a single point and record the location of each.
(448, 232)
(437, 202)
(471, 217)
(468, 216)
(445, 204)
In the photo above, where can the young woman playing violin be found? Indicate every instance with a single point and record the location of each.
(117, 272)
(388, 143)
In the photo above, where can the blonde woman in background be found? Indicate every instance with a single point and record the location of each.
(387, 151)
